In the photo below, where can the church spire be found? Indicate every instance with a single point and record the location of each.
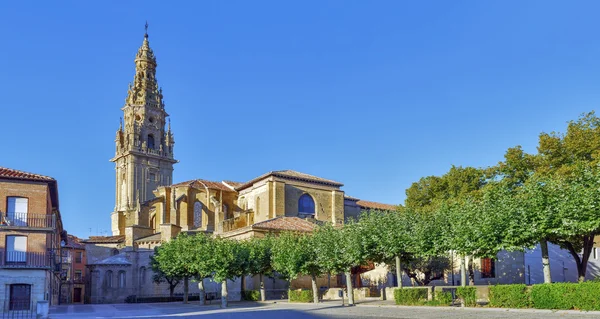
(144, 90)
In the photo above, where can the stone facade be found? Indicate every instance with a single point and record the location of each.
(151, 209)
(144, 150)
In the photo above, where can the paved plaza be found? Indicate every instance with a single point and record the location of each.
(330, 309)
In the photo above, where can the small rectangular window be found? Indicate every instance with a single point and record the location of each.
(78, 275)
(79, 257)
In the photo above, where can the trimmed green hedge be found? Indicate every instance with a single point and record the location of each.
(410, 296)
(510, 296)
(443, 298)
(300, 296)
(565, 296)
(468, 295)
(251, 295)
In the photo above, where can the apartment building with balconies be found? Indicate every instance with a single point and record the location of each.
(31, 232)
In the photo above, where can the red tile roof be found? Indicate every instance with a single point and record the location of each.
(290, 174)
(201, 184)
(16, 174)
(374, 205)
(74, 242)
(285, 223)
(105, 239)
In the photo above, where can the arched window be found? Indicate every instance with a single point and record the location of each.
(197, 214)
(122, 279)
(142, 275)
(153, 222)
(108, 279)
(150, 141)
(306, 205)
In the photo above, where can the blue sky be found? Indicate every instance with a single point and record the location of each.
(374, 94)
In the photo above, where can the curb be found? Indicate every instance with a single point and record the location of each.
(565, 312)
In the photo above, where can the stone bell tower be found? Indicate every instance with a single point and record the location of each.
(144, 150)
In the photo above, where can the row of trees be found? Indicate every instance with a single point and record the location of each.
(528, 199)
(550, 197)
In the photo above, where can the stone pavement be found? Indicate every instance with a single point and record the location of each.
(328, 309)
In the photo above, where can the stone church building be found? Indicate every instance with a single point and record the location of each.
(150, 208)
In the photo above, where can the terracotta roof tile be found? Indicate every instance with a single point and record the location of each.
(201, 183)
(233, 184)
(290, 174)
(374, 205)
(286, 224)
(74, 242)
(16, 174)
(105, 239)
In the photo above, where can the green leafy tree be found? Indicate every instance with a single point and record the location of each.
(202, 252)
(294, 255)
(259, 260)
(160, 277)
(339, 249)
(176, 259)
(229, 260)
(565, 210)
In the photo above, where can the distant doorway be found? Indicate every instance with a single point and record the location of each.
(77, 295)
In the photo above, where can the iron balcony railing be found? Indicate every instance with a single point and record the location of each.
(28, 220)
(21, 259)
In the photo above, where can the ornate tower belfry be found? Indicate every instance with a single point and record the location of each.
(144, 150)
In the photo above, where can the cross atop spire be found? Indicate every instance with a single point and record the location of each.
(146, 27)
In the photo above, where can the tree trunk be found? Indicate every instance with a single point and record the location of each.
(186, 282)
(243, 288)
(202, 293)
(350, 288)
(471, 272)
(263, 294)
(315, 289)
(588, 245)
(545, 261)
(224, 294)
(171, 290)
(398, 272)
(463, 271)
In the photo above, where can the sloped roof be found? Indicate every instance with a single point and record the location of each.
(120, 259)
(16, 174)
(294, 175)
(9, 173)
(105, 239)
(232, 184)
(201, 184)
(375, 205)
(74, 242)
(285, 223)
(151, 238)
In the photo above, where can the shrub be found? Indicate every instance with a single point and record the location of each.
(443, 298)
(251, 295)
(300, 295)
(565, 296)
(468, 295)
(509, 296)
(410, 296)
